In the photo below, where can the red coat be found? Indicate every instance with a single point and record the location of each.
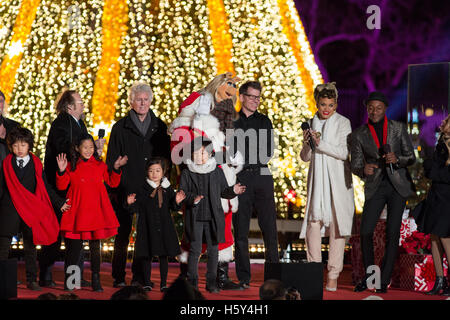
(91, 215)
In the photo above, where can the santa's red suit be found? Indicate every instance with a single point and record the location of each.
(194, 120)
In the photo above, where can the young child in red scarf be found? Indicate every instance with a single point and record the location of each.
(91, 216)
(26, 202)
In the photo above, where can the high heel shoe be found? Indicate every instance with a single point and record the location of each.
(331, 285)
(439, 284)
(446, 290)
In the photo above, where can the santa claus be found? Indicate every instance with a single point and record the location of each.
(210, 112)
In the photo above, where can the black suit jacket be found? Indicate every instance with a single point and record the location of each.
(64, 131)
(126, 140)
(218, 188)
(9, 218)
(364, 150)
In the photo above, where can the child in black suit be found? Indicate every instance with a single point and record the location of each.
(25, 205)
(204, 183)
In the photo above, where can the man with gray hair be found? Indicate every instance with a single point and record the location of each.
(140, 135)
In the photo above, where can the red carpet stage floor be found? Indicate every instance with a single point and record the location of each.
(344, 292)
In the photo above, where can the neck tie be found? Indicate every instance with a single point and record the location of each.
(21, 164)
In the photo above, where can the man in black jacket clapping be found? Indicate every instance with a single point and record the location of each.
(140, 135)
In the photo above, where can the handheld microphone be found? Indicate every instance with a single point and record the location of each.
(387, 149)
(305, 126)
(101, 133)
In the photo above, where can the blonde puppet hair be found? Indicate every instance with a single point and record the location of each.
(215, 83)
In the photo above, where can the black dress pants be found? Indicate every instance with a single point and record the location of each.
(202, 233)
(73, 249)
(385, 195)
(259, 195)
(121, 241)
(30, 254)
(146, 264)
(48, 256)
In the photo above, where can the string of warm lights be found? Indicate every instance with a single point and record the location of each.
(183, 60)
(254, 248)
(293, 29)
(8, 15)
(138, 50)
(63, 50)
(14, 51)
(114, 23)
(221, 37)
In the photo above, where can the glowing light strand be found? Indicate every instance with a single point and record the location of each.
(11, 60)
(57, 56)
(221, 37)
(293, 29)
(114, 22)
(183, 61)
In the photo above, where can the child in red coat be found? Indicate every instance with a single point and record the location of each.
(91, 216)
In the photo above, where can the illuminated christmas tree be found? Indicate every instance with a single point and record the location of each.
(101, 47)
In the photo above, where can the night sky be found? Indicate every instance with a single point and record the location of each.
(361, 60)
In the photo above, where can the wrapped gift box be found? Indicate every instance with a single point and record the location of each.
(407, 228)
(415, 272)
(379, 238)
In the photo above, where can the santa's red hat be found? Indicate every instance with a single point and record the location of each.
(194, 115)
(189, 101)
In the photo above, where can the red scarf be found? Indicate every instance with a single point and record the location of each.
(35, 209)
(374, 134)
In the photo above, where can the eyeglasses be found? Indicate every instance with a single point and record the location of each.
(252, 96)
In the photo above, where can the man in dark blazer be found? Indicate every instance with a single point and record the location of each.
(6, 125)
(140, 135)
(64, 131)
(258, 179)
(381, 151)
